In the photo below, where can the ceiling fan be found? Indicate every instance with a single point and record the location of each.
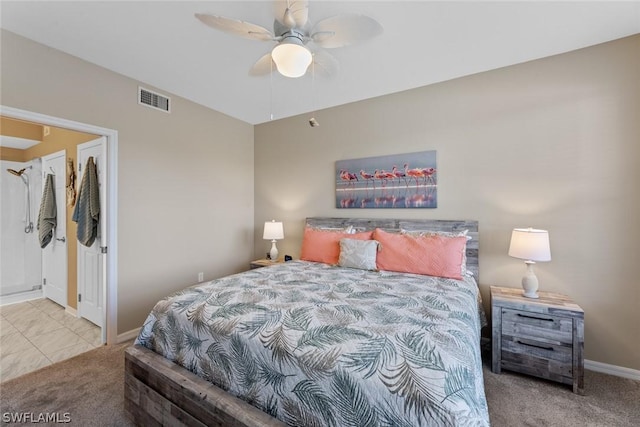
(298, 41)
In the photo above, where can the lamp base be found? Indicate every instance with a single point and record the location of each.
(530, 282)
(273, 254)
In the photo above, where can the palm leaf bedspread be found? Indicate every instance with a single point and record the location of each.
(317, 345)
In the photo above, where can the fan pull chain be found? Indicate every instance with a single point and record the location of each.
(313, 87)
(271, 90)
(312, 121)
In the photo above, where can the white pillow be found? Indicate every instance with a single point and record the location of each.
(437, 233)
(348, 229)
(358, 254)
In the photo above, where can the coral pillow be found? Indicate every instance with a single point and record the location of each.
(433, 255)
(324, 246)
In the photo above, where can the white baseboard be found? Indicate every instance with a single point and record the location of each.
(72, 311)
(617, 371)
(129, 335)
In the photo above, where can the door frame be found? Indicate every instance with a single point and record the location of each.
(110, 291)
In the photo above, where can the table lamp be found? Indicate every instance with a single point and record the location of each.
(273, 231)
(530, 245)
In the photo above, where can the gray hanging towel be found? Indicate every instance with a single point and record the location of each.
(87, 210)
(48, 214)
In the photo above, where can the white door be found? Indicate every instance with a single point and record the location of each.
(91, 260)
(54, 255)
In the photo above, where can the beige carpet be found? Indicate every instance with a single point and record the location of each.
(89, 389)
(519, 400)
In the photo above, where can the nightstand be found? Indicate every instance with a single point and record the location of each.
(264, 263)
(542, 337)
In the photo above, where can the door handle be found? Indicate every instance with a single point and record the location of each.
(62, 239)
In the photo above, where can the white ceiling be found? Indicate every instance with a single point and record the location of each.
(161, 44)
(19, 143)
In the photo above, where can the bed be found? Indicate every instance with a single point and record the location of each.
(313, 344)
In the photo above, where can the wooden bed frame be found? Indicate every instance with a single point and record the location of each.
(158, 392)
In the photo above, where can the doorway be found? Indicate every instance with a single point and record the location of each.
(108, 217)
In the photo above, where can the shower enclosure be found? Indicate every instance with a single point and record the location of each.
(20, 253)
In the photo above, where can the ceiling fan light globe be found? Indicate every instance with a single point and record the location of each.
(291, 58)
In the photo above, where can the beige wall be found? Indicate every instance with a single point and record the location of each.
(11, 154)
(18, 129)
(553, 144)
(177, 212)
(21, 129)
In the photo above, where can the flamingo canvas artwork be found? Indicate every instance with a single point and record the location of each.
(393, 181)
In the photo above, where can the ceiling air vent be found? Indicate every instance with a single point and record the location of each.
(153, 100)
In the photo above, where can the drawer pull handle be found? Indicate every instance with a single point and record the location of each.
(533, 345)
(534, 317)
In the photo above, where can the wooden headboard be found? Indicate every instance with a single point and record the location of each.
(365, 224)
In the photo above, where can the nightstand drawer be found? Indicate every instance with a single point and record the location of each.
(537, 349)
(538, 366)
(537, 326)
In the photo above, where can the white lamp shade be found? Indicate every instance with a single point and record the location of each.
(530, 244)
(273, 231)
(291, 57)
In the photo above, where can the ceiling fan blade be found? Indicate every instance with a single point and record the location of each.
(235, 27)
(324, 64)
(292, 13)
(263, 66)
(344, 30)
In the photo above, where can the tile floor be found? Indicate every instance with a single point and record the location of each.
(38, 333)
